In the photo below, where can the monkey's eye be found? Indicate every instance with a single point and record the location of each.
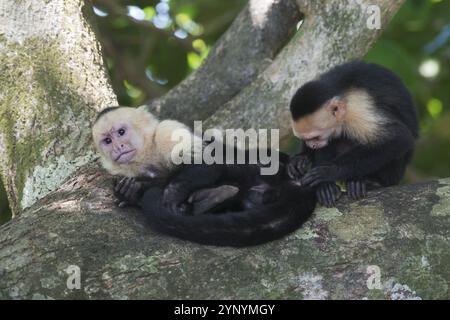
(121, 132)
(107, 140)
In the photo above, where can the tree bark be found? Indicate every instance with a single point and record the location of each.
(52, 82)
(402, 232)
(247, 48)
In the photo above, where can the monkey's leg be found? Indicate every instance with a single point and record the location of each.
(327, 194)
(392, 173)
(206, 200)
(260, 194)
(189, 180)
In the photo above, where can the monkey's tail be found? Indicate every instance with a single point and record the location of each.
(235, 229)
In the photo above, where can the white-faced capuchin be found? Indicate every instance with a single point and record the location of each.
(215, 204)
(358, 124)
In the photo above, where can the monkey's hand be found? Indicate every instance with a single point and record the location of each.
(127, 191)
(298, 165)
(320, 174)
(327, 194)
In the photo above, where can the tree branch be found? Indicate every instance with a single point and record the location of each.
(52, 84)
(249, 45)
(404, 231)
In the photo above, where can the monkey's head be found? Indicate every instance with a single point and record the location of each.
(317, 114)
(119, 135)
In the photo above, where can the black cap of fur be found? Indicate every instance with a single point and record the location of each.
(310, 97)
(105, 111)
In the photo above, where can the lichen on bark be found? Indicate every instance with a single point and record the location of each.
(52, 81)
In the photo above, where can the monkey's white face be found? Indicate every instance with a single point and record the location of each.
(317, 138)
(120, 143)
(117, 136)
(318, 128)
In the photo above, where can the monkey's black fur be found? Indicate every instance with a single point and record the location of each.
(382, 162)
(237, 222)
(105, 111)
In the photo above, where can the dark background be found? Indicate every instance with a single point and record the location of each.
(150, 46)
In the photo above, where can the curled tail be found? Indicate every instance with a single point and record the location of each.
(235, 229)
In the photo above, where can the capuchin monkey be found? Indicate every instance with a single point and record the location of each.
(358, 124)
(216, 204)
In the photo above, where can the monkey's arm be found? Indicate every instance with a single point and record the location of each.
(362, 160)
(298, 164)
(128, 191)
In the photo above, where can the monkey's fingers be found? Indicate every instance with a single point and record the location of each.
(356, 189)
(312, 178)
(327, 194)
(118, 183)
(319, 175)
(126, 186)
(133, 192)
(324, 198)
(303, 163)
(298, 166)
(292, 171)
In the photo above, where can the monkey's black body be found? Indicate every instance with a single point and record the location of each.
(240, 221)
(345, 159)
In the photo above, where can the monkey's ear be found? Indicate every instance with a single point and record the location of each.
(337, 108)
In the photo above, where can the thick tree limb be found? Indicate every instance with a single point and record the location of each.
(403, 231)
(52, 82)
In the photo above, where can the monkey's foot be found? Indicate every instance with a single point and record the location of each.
(205, 200)
(327, 194)
(356, 189)
(127, 191)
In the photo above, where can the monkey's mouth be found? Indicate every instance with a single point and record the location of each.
(317, 144)
(126, 156)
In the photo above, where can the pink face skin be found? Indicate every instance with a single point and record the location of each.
(317, 129)
(117, 144)
(319, 139)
